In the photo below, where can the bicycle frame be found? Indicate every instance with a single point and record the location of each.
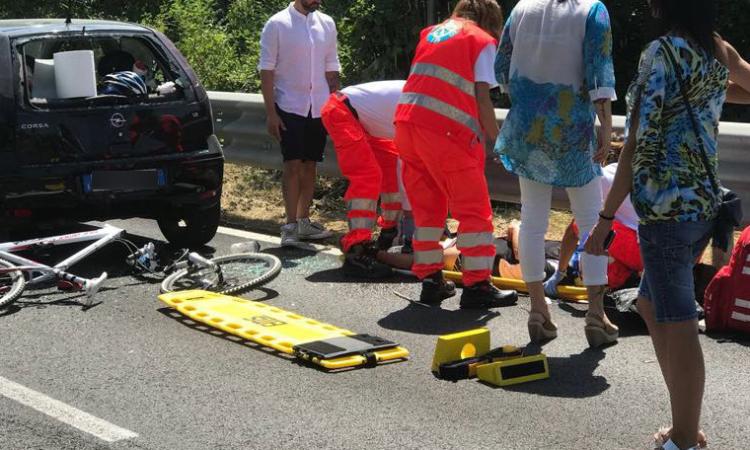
(101, 237)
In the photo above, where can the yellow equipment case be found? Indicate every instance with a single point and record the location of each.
(310, 340)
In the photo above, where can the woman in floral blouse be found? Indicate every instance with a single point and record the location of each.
(663, 169)
(555, 62)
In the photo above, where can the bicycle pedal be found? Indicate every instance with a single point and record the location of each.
(68, 286)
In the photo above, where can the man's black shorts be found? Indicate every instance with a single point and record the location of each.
(304, 138)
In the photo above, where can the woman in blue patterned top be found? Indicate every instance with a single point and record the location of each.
(663, 169)
(555, 62)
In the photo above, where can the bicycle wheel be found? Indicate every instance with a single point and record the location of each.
(12, 283)
(236, 274)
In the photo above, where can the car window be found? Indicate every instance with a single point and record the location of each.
(126, 69)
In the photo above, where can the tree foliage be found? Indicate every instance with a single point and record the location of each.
(376, 37)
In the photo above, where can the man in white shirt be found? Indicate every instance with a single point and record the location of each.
(359, 120)
(299, 68)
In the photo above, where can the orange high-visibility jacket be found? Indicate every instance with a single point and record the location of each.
(439, 94)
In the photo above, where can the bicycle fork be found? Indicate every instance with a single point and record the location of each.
(91, 287)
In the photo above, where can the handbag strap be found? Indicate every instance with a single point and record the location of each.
(683, 89)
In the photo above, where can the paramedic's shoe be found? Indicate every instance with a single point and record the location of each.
(435, 289)
(485, 295)
(289, 235)
(599, 333)
(385, 240)
(307, 229)
(360, 262)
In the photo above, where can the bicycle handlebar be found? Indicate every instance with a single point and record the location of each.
(199, 260)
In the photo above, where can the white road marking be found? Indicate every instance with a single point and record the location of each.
(64, 413)
(275, 240)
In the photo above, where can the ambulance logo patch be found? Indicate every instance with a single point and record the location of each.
(444, 31)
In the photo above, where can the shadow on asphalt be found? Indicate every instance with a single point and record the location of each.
(571, 377)
(32, 301)
(434, 320)
(730, 338)
(630, 324)
(336, 275)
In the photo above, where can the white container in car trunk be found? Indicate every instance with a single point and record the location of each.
(75, 75)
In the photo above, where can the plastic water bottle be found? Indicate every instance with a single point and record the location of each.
(245, 247)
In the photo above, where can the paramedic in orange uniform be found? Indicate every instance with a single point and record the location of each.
(443, 119)
(359, 120)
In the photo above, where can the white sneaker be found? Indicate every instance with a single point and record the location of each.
(307, 229)
(289, 235)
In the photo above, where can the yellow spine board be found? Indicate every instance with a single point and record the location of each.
(267, 325)
(514, 370)
(570, 293)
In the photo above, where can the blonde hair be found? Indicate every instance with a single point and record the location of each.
(487, 14)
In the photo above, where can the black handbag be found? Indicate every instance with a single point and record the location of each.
(730, 210)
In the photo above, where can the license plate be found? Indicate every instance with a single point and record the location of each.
(124, 180)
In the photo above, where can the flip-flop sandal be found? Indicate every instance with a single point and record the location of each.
(663, 436)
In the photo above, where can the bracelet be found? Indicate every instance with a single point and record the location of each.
(607, 218)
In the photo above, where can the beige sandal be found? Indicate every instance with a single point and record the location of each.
(599, 334)
(540, 328)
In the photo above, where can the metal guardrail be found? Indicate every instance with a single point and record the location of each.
(241, 124)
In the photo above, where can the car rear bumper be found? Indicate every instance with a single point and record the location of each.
(62, 192)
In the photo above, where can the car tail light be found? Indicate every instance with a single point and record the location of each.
(208, 194)
(21, 213)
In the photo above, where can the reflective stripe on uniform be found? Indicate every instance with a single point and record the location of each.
(362, 204)
(428, 257)
(442, 108)
(477, 262)
(391, 214)
(394, 197)
(468, 240)
(361, 223)
(428, 234)
(447, 75)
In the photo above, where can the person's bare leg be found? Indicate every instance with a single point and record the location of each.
(596, 305)
(659, 340)
(568, 247)
(538, 300)
(307, 174)
(290, 187)
(687, 375)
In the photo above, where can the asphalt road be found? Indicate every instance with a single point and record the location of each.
(131, 362)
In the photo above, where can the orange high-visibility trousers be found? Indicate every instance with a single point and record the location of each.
(369, 163)
(441, 175)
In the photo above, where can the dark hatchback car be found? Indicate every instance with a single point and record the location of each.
(105, 156)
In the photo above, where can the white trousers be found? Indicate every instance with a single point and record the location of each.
(536, 202)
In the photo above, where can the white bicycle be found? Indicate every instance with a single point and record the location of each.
(231, 274)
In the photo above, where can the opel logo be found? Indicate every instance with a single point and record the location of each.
(117, 120)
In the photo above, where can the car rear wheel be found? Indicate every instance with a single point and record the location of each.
(190, 227)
